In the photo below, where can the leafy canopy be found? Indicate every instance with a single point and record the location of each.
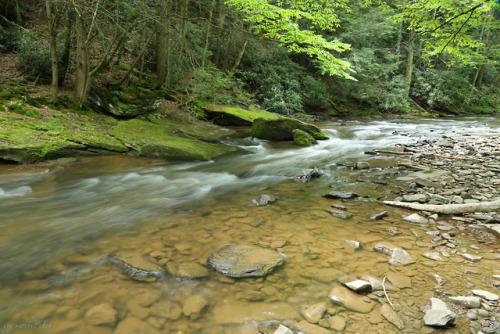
(284, 21)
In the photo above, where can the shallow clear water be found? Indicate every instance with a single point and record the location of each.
(50, 213)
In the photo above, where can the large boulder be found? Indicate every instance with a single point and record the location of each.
(125, 104)
(245, 261)
(282, 129)
(227, 116)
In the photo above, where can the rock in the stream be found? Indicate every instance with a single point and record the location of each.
(189, 270)
(315, 173)
(400, 257)
(308, 328)
(338, 214)
(302, 138)
(342, 194)
(362, 165)
(433, 256)
(194, 306)
(377, 284)
(102, 314)
(468, 302)
(359, 286)
(471, 257)
(416, 219)
(384, 247)
(353, 244)
(439, 315)
(391, 316)
(136, 266)
(486, 295)
(421, 198)
(264, 200)
(314, 312)
(245, 261)
(351, 300)
(379, 216)
(283, 330)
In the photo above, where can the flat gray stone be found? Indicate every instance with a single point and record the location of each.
(486, 295)
(472, 258)
(350, 300)
(439, 315)
(136, 266)
(416, 219)
(421, 198)
(359, 286)
(468, 302)
(245, 261)
(342, 194)
(391, 316)
(400, 258)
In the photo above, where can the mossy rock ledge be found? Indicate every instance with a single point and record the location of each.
(282, 129)
(234, 116)
(124, 105)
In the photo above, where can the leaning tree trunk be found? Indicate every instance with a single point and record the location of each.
(493, 206)
(161, 42)
(82, 73)
(409, 62)
(51, 18)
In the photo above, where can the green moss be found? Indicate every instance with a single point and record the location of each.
(162, 141)
(18, 108)
(281, 129)
(226, 115)
(302, 138)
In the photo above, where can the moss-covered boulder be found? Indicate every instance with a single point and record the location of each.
(152, 140)
(125, 104)
(26, 140)
(302, 138)
(234, 116)
(282, 129)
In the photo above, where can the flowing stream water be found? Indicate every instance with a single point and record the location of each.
(59, 221)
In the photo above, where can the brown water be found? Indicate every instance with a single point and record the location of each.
(59, 223)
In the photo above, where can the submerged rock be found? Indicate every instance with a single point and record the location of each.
(189, 270)
(400, 257)
(245, 261)
(351, 300)
(102, 314)
(308, 328)
(314, 312)
(416, 219)
(391, 316)
(264, 200)
(439, 315)
(136, 266)
(341, 194)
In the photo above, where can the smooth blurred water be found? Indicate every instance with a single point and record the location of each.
(48, 209)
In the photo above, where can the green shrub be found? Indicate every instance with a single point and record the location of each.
(35, 56)
(9, 40)
(315, 92)
(277, 86)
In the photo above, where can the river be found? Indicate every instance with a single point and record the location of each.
(59, 221)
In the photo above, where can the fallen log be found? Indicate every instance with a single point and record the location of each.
(493, 206)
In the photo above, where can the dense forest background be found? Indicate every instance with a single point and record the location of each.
(322, 57)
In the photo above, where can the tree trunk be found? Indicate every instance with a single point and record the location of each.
(82, 73)
(398, 43)
(493, 206)
(65, 59)
(409, 62)
(52, 22)
(220, 26)
(19, 18)
(207, 35)
(183, 14)
(161, 42)
(238, 60)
